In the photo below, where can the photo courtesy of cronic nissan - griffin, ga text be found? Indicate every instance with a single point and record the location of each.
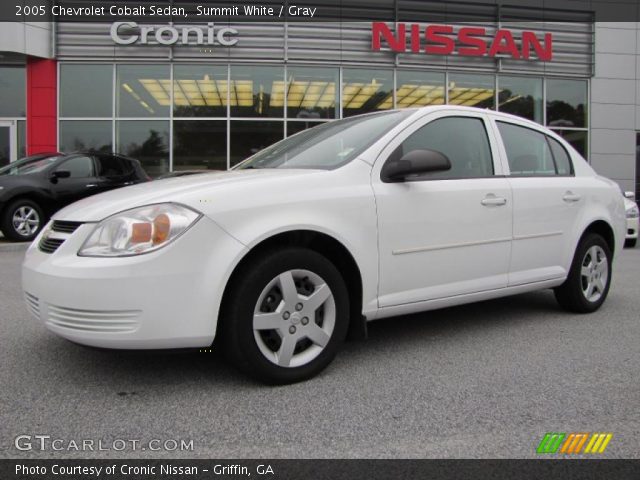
(281, 258)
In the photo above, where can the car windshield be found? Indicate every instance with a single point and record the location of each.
(26, 165)
(326, 146)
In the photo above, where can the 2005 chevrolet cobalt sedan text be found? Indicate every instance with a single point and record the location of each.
(357, 219)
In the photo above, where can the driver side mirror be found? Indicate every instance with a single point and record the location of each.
(59, 174)
(414, 162)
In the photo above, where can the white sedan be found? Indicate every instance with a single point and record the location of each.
(633, 222)
(300, 245)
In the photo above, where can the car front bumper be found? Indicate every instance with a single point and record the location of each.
(632, 228)
(164, 299)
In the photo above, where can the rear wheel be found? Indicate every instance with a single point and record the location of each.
(286, 316)
(587, 285)
(22, 220)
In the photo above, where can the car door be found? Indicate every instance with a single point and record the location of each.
(546, 202)
(114, 172)
(79, 182)
(447, 233)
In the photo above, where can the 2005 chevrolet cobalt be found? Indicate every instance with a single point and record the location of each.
(354, 220)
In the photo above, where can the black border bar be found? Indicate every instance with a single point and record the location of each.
(424, 11)
(566, 469)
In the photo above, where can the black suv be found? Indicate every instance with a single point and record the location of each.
(34, 188)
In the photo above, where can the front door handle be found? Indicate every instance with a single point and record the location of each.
(571, 197)
(91, 185)
(492, 201)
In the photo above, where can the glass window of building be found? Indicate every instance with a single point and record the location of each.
(200, 91)
(521, 96)
(417, 89)
(249, 137)
(577, 139)
(22, 138)
(86, 90)
(200, 145)
(472, 90)
(5, 146)
(294, 127)
(312, 92)
(13, 101)
(366, 91)
(566, 103)
(257, 91)
(143, 91)
(147, 141)
(85, 135)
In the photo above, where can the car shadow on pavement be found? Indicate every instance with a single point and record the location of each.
(208, 368)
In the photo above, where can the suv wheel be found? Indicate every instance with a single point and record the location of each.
(587, 285)
(22, 220)
(286, 316)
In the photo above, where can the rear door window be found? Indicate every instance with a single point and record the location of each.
(111, 166)
(528, 151)
(561, 157)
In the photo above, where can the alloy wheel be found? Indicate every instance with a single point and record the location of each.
(26, 221)
(594, 273)
(294, 318)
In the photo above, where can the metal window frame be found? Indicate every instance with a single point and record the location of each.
(284, 118)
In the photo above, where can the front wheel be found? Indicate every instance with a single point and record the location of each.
(587, 285)
(22, 220)
(286, 316)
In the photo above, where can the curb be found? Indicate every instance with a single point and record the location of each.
(14, 247)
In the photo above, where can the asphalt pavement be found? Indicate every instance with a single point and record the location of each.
(483, 380)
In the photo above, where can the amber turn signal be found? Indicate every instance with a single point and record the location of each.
(141, 232)
(161, 229)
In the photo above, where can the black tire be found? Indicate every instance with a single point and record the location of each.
(570, 295)
(236, 332)
(631, 243)
(9, 229)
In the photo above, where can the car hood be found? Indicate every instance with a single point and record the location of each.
(194, 191)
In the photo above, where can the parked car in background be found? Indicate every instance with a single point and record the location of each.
(34, 188)
(357, 219)
(633, 222)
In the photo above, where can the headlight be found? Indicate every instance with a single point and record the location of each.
(632, 212)
(139, 230)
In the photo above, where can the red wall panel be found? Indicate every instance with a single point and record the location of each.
(42, 121)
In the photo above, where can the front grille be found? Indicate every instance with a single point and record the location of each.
(50, 245)
(101, 321)
(64, 226)
(33, 304)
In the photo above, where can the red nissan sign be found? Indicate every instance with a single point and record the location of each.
(467, 42)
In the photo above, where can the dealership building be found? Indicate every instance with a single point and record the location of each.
(205, 96)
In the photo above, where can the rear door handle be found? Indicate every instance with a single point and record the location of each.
(571, 197)
(492, 201)
(90, 185)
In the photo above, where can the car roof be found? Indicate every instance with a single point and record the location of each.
(493, 113)
(94, 152)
